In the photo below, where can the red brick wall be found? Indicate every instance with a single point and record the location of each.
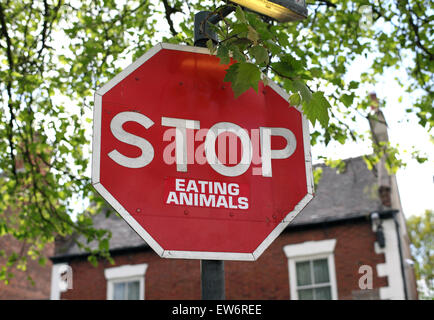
(19, 287)
(164, 279)
(266, 278)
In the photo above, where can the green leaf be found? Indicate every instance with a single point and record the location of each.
(283, 39)
(93, 260)
(301, 87)
(288, 67)
(260, 54)
(237, 54)
(347, 99)
(104, 245)
(252, 35)
(316, 72)
(243, 76)
(232, 73)
(295, 99)
(239, 13)
(353, 85)
(239, 28)
(223, 54)
(274, 48)
(317, 109)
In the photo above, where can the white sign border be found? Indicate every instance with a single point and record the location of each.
(204, 255)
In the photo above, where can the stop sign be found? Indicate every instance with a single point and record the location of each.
(196, 172)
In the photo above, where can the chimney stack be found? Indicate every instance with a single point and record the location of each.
(378, 125)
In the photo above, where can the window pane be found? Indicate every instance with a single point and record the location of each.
(305, 294)
(303, 273)
(323, 293)
(119, 291)
(321, 271)
(134, 290)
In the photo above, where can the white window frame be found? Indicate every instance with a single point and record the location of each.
(307, 251)
(126, 273)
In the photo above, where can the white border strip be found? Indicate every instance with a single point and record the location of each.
(96, 158)
(307, 156)
(205, 255)
(179, 47)
(96, 138)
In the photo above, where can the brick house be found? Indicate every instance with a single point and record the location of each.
(349, 242)
(353, 228)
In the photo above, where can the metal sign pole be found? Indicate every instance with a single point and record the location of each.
(212, 271)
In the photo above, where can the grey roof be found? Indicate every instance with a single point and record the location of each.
(351, 193)
(123, 236)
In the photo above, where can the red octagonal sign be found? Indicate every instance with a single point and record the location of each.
(196, 172)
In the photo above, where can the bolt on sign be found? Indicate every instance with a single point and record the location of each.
(196, 172)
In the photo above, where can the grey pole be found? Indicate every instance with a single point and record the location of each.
(212, 271)
(212, 279)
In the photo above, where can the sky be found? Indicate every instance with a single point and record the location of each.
(415, 180)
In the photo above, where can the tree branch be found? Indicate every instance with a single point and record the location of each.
(9, 89)
(415, 29)
(169, 10)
